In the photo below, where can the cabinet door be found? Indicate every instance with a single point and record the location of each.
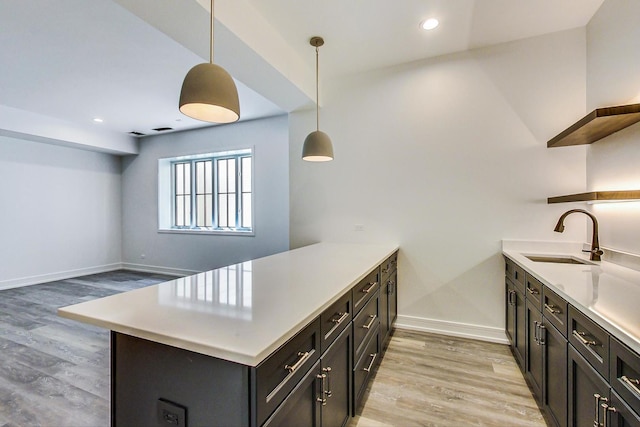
(555, 373)
(520, 340)
(510, 315)
(584, 384)
(336, 366)
(621, 415)
(301, 407)
(393, 298)
(384, 312)
(534, 350)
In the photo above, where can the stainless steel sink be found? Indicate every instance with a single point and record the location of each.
(558, 259)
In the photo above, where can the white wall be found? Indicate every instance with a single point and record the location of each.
(446, 157)
(60, 214)
(613, 78)
(187, 252)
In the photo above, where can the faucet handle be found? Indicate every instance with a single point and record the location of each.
(595, 251)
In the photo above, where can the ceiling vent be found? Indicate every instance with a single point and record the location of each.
(136, 133)
(162, 129)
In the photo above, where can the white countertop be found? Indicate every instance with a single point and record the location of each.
(607, 293)
(240, 313)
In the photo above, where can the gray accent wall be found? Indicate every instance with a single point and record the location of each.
(146, 248)
(60, 212)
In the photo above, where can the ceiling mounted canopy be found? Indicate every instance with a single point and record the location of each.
(317, 145)
(209, 92)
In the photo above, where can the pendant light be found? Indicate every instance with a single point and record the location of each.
(209, 92)
(317, 145)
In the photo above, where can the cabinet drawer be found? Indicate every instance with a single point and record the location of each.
(365, 366)
(389, 266)
(555, 310)
(515, 273)
(364, 324)
(625, 373)
(301, 406)
(277, 375)
(334, 320)
(533, 288)
(365, 289)
(590, 340)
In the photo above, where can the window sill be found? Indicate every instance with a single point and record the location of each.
(207, 232)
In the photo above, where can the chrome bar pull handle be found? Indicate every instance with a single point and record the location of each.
(322, 399)
(542, 335)
(536, 335)
(581, 336)
(607, 410)
(391, 288)
(303, 356)
(370, 288)
(373, 359)
(341, 318)
(532, 291)
(327, 371)
(372, 319)
(631, 383)
(596, 418)
(552, 309)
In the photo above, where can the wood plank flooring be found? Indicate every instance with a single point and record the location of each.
(441, 381)
(54, 372)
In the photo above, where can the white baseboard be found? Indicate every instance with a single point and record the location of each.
(443, 327)
(178, 272)
(60, 275)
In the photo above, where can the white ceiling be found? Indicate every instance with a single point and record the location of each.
(124, 60)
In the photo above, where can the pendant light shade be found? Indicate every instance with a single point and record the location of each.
(209, 92)
(317, 145)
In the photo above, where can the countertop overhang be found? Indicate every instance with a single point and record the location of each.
(240, 313)
(607, 293)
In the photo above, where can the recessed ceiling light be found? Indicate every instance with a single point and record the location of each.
(429, 24)
(98, 120)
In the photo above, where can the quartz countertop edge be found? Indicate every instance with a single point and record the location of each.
(601, 290)
(286, 291)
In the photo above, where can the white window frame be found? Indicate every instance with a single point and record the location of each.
(167, 195)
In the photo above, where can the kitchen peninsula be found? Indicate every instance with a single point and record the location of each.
(292, 336)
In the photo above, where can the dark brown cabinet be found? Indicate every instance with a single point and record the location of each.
(535, 333)
(580, 375)
(554, 368)
(515, 321)
(335, 380)
(546, 362)
(388, 307)
(301, 406)
(392, 285)
(587, 392)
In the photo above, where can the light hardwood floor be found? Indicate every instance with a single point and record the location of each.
(54, 372)
(437, 380)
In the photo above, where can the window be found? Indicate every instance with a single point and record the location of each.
(211, 192)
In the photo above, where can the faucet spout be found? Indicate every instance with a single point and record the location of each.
(595, 251)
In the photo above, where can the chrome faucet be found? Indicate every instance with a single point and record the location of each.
(595, 243)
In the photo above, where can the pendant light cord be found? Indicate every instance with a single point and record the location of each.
(211, 36)
(317, 96)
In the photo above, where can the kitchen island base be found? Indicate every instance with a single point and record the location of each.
(146, 375)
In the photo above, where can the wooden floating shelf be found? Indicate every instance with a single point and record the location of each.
(597, 196)
(596, 125)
